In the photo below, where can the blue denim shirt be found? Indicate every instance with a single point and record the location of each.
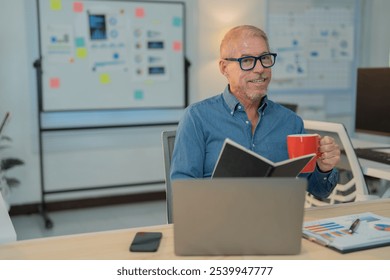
(206, 124)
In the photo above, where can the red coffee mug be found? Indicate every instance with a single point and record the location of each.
(304, 144)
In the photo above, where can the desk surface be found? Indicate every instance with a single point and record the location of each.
(115, 244)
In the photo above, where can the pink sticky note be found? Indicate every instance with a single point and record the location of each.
(78, 7)
(176, 46)
(139, 12)
(54, 82)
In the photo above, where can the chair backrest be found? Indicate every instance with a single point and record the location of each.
(352, 185)
(168, 141)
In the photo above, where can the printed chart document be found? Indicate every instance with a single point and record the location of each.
(371, 231)
(237, 161)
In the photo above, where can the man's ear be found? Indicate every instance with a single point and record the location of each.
(222, 68)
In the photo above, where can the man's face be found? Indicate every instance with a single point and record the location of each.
(252, 84)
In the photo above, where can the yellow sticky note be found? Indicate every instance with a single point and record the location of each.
(56, 5)
(81, 52)
(105, 78)
(149, 82)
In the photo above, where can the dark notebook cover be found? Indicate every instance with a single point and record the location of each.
(237, 161)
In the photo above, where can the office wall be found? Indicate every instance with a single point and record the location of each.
(375, 35)
(216, 17)
(207, 21)
(17, 95)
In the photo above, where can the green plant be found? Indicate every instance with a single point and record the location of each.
(6, 164)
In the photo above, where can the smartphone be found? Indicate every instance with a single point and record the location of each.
(146, 242)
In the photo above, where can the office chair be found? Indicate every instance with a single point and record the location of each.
(355, 188)
(168, 141)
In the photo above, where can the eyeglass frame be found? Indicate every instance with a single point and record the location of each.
(257, 58)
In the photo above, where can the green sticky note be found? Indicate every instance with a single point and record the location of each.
(81, 52)
(56, 5)
(105, 78)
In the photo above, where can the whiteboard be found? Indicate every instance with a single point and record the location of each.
(316, 42)
(111, 55)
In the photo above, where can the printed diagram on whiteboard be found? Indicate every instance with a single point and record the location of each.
(315, 44)
(107, 52)
(110, 55)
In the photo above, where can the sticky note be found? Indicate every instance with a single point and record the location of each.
(177, 46)
(105, 78)
(80, 42)
(81, 52)
(54, 83)
(78, 7)
(56, 5)
(138, 94)
(176, 21)
(139, 12)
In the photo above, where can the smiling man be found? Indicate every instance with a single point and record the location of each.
(244, 114)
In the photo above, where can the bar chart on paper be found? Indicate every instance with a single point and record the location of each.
(349, 233)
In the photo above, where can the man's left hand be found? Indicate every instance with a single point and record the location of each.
(330, 154)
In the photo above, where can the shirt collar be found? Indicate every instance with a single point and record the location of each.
(232, 102)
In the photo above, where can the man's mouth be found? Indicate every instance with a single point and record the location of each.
(262, 80)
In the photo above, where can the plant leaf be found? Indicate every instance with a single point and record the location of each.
(10, 162)
(12, 182)
(4, 137)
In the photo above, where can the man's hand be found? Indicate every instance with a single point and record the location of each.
(330, 154)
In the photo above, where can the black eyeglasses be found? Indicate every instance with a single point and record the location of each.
(247, 63)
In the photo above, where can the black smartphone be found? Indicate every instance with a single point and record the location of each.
(146, 242)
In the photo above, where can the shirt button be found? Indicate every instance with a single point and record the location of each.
(247, 122)
(231, 113)
(325, 178)
(239, 107)
(253, 145)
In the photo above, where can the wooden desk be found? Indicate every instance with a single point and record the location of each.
(115, 244)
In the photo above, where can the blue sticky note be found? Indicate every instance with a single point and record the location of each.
(80, 42)
(176, 21)
(138, 94)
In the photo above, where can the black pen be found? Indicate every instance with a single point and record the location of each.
(353, 226)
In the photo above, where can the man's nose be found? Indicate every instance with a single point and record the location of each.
(258, 66)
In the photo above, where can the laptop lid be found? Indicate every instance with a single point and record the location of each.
(238, 216)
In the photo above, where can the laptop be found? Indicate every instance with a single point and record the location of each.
(238, 216)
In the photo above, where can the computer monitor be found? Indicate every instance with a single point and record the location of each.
(372, 112)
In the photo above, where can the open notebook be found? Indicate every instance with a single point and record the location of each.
(238, 216)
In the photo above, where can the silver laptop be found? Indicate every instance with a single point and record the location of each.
(238, 216)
